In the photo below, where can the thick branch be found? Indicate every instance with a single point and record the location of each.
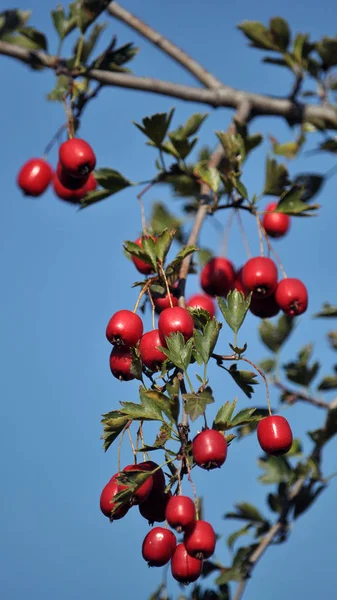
(225, 96)
(187, 62)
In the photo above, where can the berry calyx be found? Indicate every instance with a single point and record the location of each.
(217, 276)
(180, 513)
(158, 546)
(124, 328)
(34, 177)
(142, 493)
(106, 500)
(209, 449)
(77, 157)
(185, 568)
(150, 355)
(292, 296)
(175, 319)
(265, 308)
(153, 509)
(120, 363)
(200, 540)
(276, 224)
(202, 301)
(274, 435)
(140, 264)
(259, 275)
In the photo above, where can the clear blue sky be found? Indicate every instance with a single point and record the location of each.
(64, 274)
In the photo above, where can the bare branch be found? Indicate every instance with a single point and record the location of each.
(293, 396)
(187, 62)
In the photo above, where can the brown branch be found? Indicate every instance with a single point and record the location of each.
(294, 396)
(225, 96)
(187, 62)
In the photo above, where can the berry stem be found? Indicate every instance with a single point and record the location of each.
(261, 373)
(141, 294)
(141, 204)
(162, 272)
(79, 51)
(120, 446)
(227, 232)
(259, 229)
(153, 308)
(189, 382)
(54, 139)
(243, 233)
(132, 446)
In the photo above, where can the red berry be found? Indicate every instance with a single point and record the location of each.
(120, 363)
(292, 296)
(274, 435)
(158, 546)
(238, 285)
(180, 512)
(259, 275)
(200, 540)
(209, 449)
(106, 500)
(91, 183)
(124, 328)
(276, 224)
(71, 183)
(175, 319)
(151, 357)
(217, 276)
(34, 177)
(154, 508)
(265, 308)
(73, 196)
(141, 265)
(162, 302)
(143, 492)
(77, 157)
(202, 301)
(158, 477)
(185, 568)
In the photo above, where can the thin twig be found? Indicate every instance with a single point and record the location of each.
(227, 232)
(293, 396)
(243, 233)
(259, 229)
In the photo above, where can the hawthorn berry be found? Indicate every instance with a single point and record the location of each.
(158, 546)
(34, 177)
(142, 493)
(150, 355)
(175, 319)
(158, 477)
(71, 183)
(180, 512)
(275, 223)
(162, 302)
(73, 196)
(200, 540)
(292, 296)
(217, 276)
(265, 308)
(140, 264)
(185, 568)
(209, 449)
(106, 500)
(238, 285)
(91, 184)
(124, 328)
(120, 363)
(154, 508)
(259, 275)
(202, 301)
(274, 435)
(77, 157)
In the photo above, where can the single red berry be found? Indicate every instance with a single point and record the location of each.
(238, 285)
(124, 328)
(292, 296)
(175, 319)
(73, 196)
(276, 224)
(274, 435)
(77, 157)
(180, 512)
(120, 363)
(265, 308)
(150, 355)
(34, 177)
(158, 477)
(209, 449)
(200, 540)
(141, 265)
(202, 301)
(144, 490)
(91, 183)
(162, 302)
(154, 508)
(158, 546)
(259, 275)
(185, 568)
(106, 500)
(217, 276)
(71, 183)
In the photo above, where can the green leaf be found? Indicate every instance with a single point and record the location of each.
(224, 415)
(235, 536)
(156, 127)
(299, 371)
(244, 417)
(276, 179)
(291, 203)
(241, 188)
(94, 197)
(259, 35)
(332, 337)
(248, 428)
(149, 247)
(163, 244)
(111, 180)
(268, 365)
(228, 575)
(209, 175)
(12, 20)
(60, 89)
(328, 383)
(234, 308)
(180, 147)
(60, 21)
(310, 184)
(113, 59)
(113, 423)
(195, 404)
(167, 405)
(296, 449)
(205, 342)
(234, 147)
(148, 410)
(276, 469)
(174, 265)
(274, 335)
(305, 498)
(280, 31)
(327, 311)
(177, 351)
(89, 43)
(161, 219)
(244, 379)
(327, 49)
(246, 512)
(35, 38)
(193, 124)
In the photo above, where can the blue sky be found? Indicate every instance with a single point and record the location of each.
(64, 275)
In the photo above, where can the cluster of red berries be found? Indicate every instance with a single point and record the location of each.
(73, 178)
(260, 276)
